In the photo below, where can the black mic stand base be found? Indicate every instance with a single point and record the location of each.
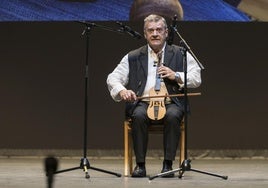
(85, 165)
(186, 166)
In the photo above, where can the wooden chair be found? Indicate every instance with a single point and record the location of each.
(153, 129)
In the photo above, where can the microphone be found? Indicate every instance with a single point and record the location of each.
(172, 27)
(129, 30)
(51, 165)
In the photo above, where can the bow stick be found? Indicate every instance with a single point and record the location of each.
(174, 95)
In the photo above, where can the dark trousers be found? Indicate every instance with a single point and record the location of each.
(171, 122)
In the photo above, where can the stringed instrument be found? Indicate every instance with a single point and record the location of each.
(156, 109)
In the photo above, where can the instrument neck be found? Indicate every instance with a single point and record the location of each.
(158, 80)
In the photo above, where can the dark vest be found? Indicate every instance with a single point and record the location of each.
(138, 70)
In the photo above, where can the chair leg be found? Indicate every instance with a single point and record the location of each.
(182, 143)
(128, 168)
(126, 152)
(130, 156)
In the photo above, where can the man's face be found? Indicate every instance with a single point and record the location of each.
(155, 33)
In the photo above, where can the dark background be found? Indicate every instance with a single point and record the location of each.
(42, 85)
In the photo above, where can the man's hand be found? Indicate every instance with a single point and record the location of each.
(127, 95)
(166, 72)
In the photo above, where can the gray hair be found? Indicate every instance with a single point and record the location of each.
(154, 18)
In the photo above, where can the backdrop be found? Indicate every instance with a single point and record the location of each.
(103, 10)
(42, 85)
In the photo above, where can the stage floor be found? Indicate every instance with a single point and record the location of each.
(28, 172)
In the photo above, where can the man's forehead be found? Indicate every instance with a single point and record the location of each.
(154, 24)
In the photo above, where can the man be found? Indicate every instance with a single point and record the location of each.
(136, 75)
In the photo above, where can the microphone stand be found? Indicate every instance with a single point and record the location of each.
(186, 164)
(84, 163)
(51, 165)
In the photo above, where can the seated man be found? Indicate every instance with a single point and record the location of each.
(135, 76)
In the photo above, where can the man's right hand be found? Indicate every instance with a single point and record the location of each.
(127, 95)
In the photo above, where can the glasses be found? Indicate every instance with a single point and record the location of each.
(158, 30)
